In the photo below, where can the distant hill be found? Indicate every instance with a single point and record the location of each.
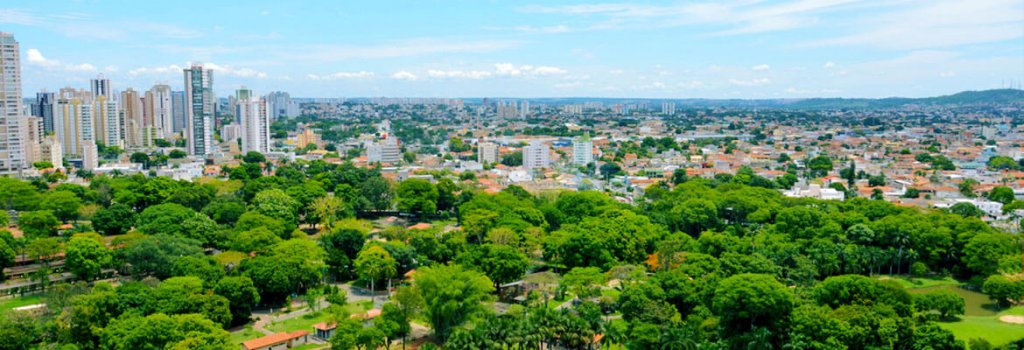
(998, 96)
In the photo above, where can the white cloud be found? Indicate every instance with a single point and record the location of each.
(616, 72)
(162, 70)
(404, 75)
(936, 24)
(829, 65)
(84, 67)
(561, 28)
(947, 74)
(111, 68)
(509, 69)
(342, 75)
(227, 70)
(751, 82)
(473, 74)
(35, 57)
(761, 67)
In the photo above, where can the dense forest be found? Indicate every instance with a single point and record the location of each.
(701, 264)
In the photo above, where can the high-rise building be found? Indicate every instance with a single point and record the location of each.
(32, 137)
(100, 86)
(50, 151)
(281, 105)
(388, 150)
(72, 124)
(158, 111)
(199, 106)
(524, 109)
(131, 118)
(536, 155)
(107, 121)
(582, 150)
(255, 122)
(487, 152)
(43, 107)
(231, 132)
(178, 111)
(90, 155)
(12, 147)
(668, 108)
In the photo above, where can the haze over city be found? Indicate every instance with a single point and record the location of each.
(715, 49)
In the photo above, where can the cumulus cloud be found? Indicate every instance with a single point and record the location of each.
(35, 57)
(473, 74)
(155, 70)
(404, 75)
(342, 75)
(829, 65)
(751, 82)
(761, 67)
(509, 69)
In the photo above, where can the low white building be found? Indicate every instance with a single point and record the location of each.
(815, 191)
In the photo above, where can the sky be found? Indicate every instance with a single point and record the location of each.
(528, 48)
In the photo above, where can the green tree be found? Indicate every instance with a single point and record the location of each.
(1003, 289)
(38, 223)
(378, 192)
(966, 210)
(452, 295)
(944, 301)
(63, 204)
(342, 245)
(241, 294)
(278, 205)
(114, 220)
(19, 330)
(289, 267)
(983, 252)
(1001, 194)
(374, 264)
(746, 301)
(967, 187)
(584, 281)
(85, 257)
(7, 256)
(417, 196)
(155, 255)
(501, 263)
(255, 240)
(820, 165)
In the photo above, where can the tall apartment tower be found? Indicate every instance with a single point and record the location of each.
(43, 107)
(158, 111)
(12, 146)
(178, 111)
(133, 123)
(254, 114)
(582, 150)
(536, 155)
(73, 124)
(487, 152)
(100, 86)
(199, 110)
(107, 122)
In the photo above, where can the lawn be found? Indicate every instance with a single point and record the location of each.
(245, 334)
(306, 322)
(987, 327)
(981, 320)
(10, 303)
(921, 282)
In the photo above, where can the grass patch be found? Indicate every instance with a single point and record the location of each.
(304, 322)
(245, 334)
(10, 303)
(986, 327)
(309, 346)
(921, 282)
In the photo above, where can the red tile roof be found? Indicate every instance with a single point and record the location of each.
(273, 339)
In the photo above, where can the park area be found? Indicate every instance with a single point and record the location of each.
(982, 318)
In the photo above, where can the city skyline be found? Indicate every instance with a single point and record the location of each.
(731, 49)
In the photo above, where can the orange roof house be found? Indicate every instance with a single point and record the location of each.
(284, 340)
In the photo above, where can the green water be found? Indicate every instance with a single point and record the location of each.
(977, 304)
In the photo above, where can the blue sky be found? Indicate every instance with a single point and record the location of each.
(480, 48)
